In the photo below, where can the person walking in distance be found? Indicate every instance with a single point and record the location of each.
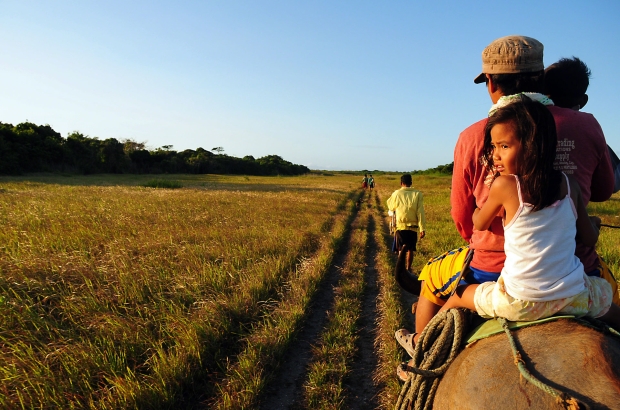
(408, 204)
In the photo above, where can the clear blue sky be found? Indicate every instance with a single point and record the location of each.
(336, 85)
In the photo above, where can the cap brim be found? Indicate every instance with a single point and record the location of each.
(482, 78)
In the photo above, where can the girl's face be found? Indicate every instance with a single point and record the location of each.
(506, 148)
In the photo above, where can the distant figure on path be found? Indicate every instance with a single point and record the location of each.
(371, 182)
(408, 203)
(365, 181)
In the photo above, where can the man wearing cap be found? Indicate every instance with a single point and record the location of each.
(510, 65)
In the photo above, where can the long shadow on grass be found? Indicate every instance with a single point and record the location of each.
(228, 344)
(361, 389)
(286, 389)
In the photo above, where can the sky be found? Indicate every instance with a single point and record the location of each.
(333, 85)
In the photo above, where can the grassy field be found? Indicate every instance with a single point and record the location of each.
(187, 291)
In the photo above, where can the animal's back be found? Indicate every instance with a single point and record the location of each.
(563, 354)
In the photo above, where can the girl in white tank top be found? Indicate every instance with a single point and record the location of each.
(543, 212)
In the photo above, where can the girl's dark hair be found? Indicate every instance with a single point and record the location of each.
(534, 127)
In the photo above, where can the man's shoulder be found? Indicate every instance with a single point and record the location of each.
(569, 115)
(471, 140)
(474, 131)
(577, 125)
(476, 126)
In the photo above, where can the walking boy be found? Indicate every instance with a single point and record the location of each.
(408, 203)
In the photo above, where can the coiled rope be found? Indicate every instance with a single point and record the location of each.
(439, 344)
(437, 347)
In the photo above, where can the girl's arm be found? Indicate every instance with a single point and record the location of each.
(587, 232)
(503, 188)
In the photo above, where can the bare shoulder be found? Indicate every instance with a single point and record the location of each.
(504, 182)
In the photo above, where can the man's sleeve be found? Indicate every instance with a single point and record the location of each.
(461, 195)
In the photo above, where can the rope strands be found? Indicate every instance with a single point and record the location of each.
(561, 398)
(437, 347)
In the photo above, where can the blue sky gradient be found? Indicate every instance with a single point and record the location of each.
(337, 85)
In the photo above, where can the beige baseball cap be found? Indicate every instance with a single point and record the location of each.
(511, 55)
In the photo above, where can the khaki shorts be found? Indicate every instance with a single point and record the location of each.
(491, 300)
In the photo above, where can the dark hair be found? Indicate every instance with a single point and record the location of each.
(519, 83)
(405, 179)
(534, 127)
(566, 81)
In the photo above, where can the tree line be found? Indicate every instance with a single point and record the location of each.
(441, 169)
(27, 147)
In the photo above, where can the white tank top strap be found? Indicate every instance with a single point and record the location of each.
(567, 183)
(572, 204)
(507, 224)
(519, 191)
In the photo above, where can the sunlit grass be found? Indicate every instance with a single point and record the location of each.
(334, 354)
(267, 343)
(115, 295)
(608, 245)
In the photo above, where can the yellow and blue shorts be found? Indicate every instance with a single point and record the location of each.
(442, 274)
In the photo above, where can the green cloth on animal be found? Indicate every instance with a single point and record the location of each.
(492, 326)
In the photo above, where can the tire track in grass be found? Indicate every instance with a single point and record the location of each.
(266, 344)
(390, 316)
(338, 346)
(286, 391)
(360, 383)
(273, 372)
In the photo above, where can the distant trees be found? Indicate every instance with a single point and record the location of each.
(441, 169)
(28, 147)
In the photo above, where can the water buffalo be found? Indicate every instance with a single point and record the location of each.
(577, 360)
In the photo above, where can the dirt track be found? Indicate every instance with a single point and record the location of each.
(286, 391)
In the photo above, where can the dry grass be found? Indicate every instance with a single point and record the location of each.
(115, 295)
(119, 296)
(336, 348)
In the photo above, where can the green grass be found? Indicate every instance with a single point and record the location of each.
(336, 348)
(114, 295)
(267, 343)
(117, 296)
(163, 183)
